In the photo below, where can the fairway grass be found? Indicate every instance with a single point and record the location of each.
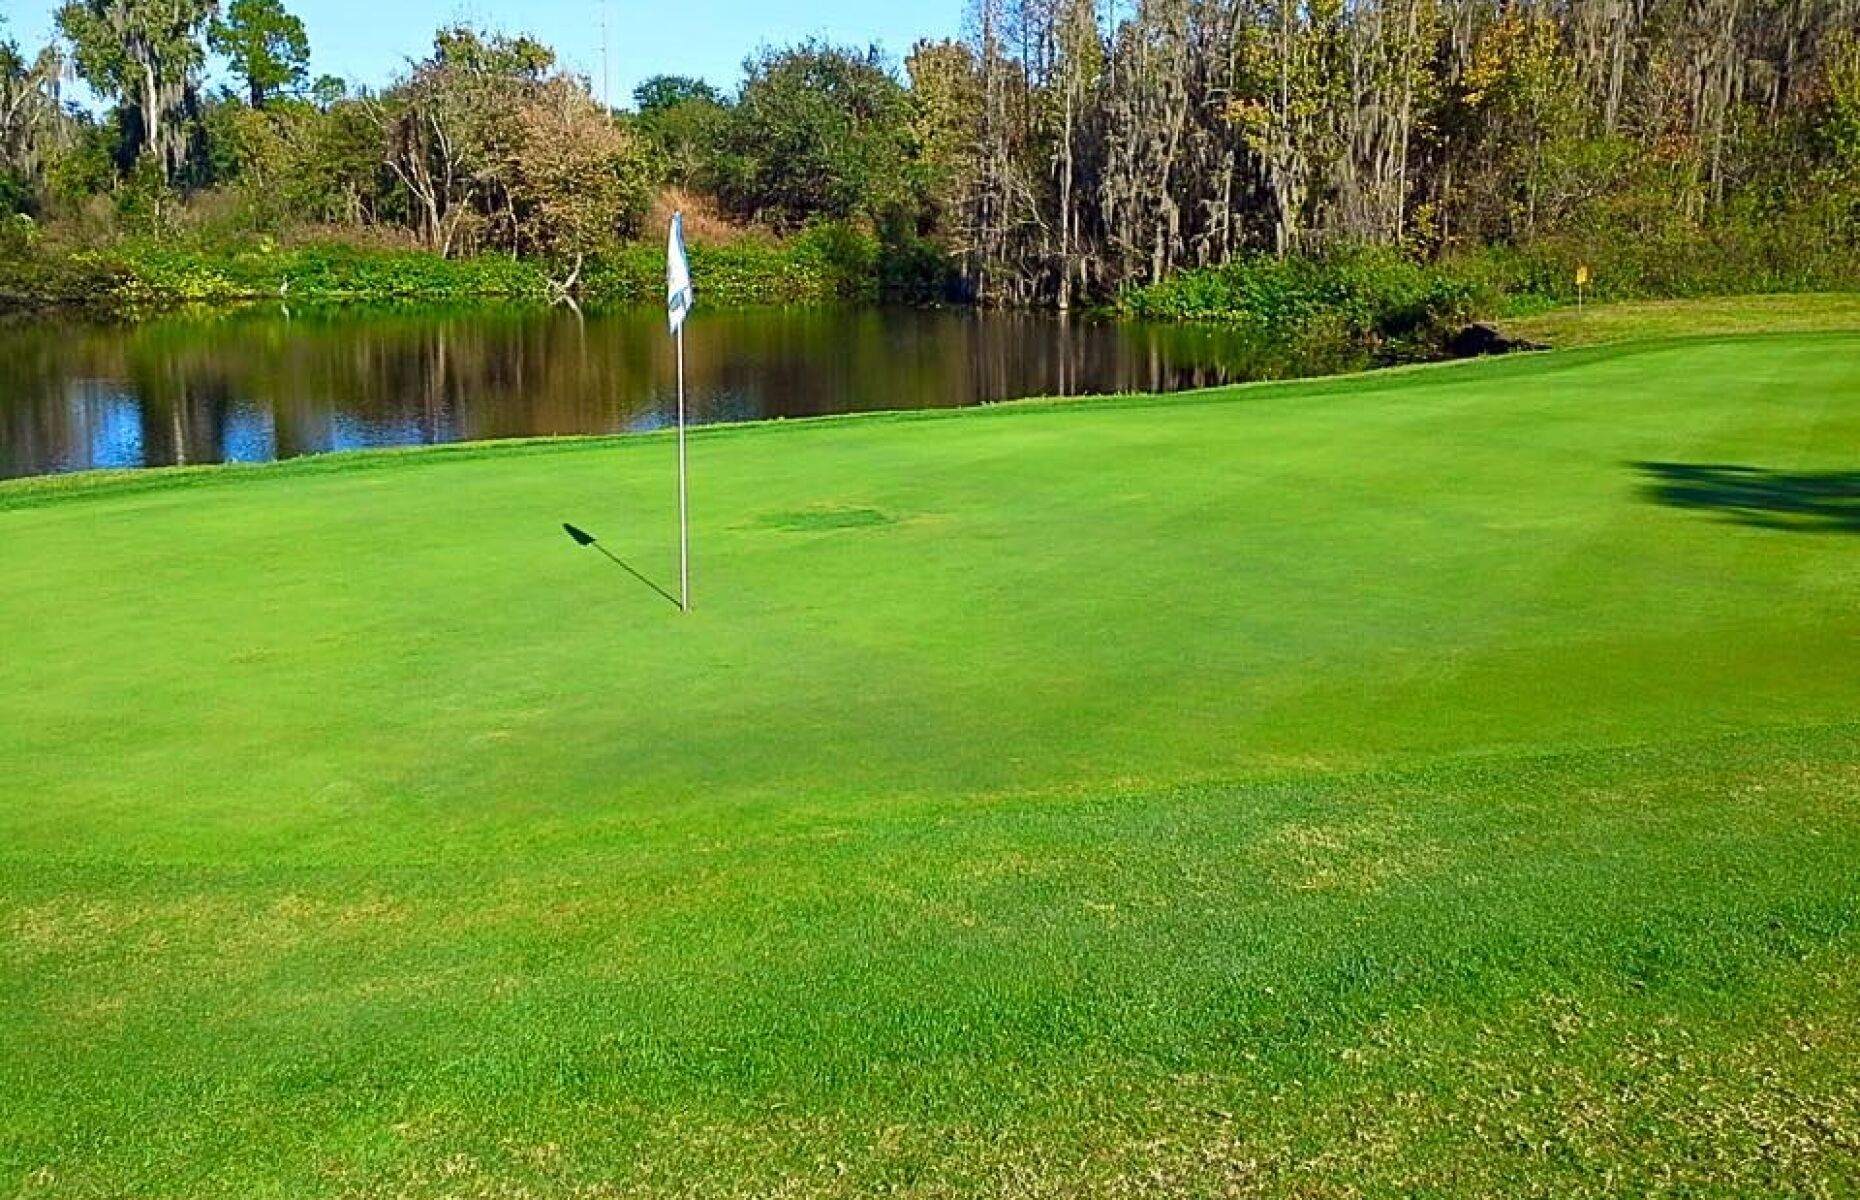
(1569, 327)
(1444, 781)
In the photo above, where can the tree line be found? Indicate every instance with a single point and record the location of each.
(1074, 154)
(1059, 152)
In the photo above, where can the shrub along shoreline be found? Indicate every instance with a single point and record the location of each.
(137, 278)
(1401, 309)
(1372, 302)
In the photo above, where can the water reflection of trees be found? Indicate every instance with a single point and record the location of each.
(265, 384)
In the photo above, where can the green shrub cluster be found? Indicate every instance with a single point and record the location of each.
(1793, 255)
(751, 271)
(1399, 307)
(828, 263)
(1368, 297)
(32, 279)
(133, 277)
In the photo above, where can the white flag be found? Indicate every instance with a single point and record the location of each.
(678, 294)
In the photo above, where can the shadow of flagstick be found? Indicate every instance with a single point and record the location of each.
(583, 538)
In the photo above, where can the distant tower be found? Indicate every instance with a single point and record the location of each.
(607, 96)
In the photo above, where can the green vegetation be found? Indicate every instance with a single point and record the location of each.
(1372, 164)
(827, 263)
(1361, 296)
(1568, 327)
(1348, 299)
(1438, 781)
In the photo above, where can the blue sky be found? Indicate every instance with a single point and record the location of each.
(367, 40)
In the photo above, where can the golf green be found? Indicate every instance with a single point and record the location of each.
(1439, 781)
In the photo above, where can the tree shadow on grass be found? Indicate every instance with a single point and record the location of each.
(1803, 501)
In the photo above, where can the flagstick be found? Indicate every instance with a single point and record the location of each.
(684, 515)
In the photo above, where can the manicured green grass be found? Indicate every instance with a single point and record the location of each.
(1598, 323)
(1441, 782)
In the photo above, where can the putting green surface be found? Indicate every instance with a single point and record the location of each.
(1443, 781)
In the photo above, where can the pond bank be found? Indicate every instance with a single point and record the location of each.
(279, 381)
(112, 402)
(138, 279)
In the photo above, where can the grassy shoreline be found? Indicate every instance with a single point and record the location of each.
(1717, 316)
(1622, 326)
(137, 278)
(32, 491)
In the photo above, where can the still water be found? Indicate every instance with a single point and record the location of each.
(267, 384)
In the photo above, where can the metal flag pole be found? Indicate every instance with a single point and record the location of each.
(684, 507)
(678, 298)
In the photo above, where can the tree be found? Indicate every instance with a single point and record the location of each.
(1522, 85)
(1287, 108)
(577, 180)
(492, 147)
(33, 125)
(1078, 74)
(1006, 215)
(451, 134)
(328, 91)
(1151, 120)
(146, 55)
(267, 45)
(685, 120)
(515, 57)
(820, 131)
(663, 92)
(1840, 108)
(1388, 45)
(946, 124)
(338, 175)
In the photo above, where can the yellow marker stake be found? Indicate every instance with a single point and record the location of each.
(1582, 281)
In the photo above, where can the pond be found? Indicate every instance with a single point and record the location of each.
(255, 385)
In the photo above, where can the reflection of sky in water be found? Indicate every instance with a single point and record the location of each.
(251, 387)
(110, 416)
(732, 404)
(422, 426)
(251, 435)
(716, 405)
(649, 420)
(350, 432)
